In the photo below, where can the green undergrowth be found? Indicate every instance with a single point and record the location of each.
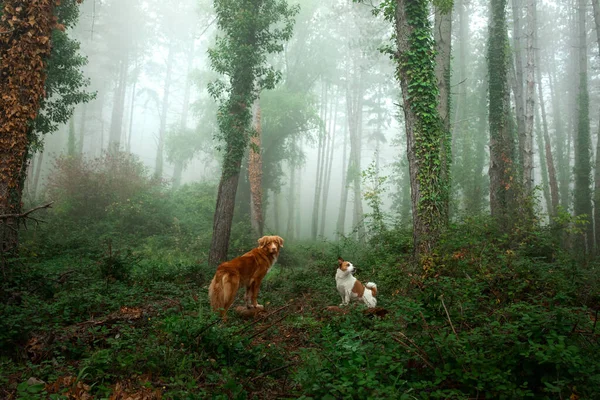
(491, 317)
(110, 300)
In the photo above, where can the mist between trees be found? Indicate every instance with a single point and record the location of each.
(199, 125)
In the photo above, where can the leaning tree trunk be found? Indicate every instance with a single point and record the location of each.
(24, 48)
(424, 133)
(255, 174)
(320, 164)
(549, 161)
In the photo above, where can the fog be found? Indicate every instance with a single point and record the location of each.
(148, 64)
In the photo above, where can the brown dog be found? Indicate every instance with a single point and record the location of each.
(247, 270)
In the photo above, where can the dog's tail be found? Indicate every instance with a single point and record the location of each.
(373, 287)
(222, 290)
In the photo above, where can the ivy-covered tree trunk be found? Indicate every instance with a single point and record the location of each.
(582, 169)
(426, 144)
(596, 9)
(251, 29)
(502, 169)
(24, 49)
(443, 45)
(320, 163)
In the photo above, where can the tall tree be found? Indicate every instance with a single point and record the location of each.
(582, 168)
(527, 138)
(426, 139)
(251, 29)
(30, 71)
(443, 46)
(255, 173)
(502, 169)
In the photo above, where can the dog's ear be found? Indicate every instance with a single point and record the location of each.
(279, 240)
(262, 242)
(340, 260)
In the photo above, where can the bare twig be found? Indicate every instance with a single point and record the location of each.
(417, 350)
(26, 213)
(271, 371)
(448, 315)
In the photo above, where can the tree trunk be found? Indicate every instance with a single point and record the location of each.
(517, 8)
(24, 49)
(224, 215)
(71, 137)
(341, 221)
(527, 147)
(583, 204)
(596, 8)
(562, 148)
(320, 163)
(328, 166)
(502, 191)
(424, 133)
(164, 109)
(255, 174)
(443, 45)
(116, 121)
(180, 165)
(131, 112)
(542, 158)
(549, 161)
(291, 229)
(82, 125)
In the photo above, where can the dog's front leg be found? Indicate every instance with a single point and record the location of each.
(345, 298)
(248, 296)
(254, 289)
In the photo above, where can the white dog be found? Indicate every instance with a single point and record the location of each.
(351, 288)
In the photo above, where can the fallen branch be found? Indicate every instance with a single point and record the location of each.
(448, 315)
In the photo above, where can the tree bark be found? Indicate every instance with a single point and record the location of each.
(517, 8)
(116, 121)
(424, 133)
(549, 158)
(164, 109)
(443, 45)
(582, 201)
(224, 215)
(502, 191)
(320, 164)
(341, 221)
(255, 174)
(24, 50)
(328, 166)
(527, 147)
